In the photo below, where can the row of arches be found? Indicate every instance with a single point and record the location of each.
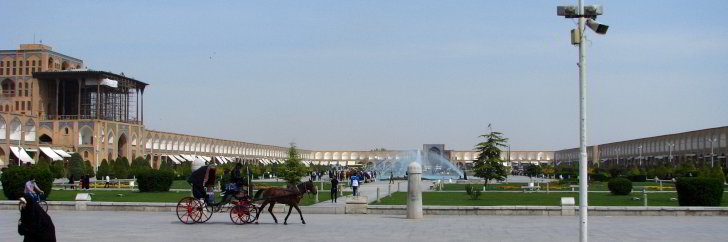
(16, 130)
(156, 142)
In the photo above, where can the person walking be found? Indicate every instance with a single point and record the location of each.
(391, 177)
(354, 185)
(334, 189)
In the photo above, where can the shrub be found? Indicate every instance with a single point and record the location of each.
(121, 168)
(472, 191)
(104, 170)
(14, 178)
(77, 167)
(620, 186)
(699, 191)
(600, 177)
(138, 165)
(155, 180)
(58, 170)
(637, 178)
(89, 169)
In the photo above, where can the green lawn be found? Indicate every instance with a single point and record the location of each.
(594, 186)
(534, 199)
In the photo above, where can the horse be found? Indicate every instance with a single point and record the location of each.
(286, 196)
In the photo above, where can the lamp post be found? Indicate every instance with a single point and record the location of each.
(671, 145)
(640, 148)
(712, 156)
(578, 37)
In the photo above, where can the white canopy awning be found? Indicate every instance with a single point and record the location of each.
(187, 157)
(180, 158)
(50, 153)
(21, 154)
(350, 163)
(206, 158)
(263, 162)
(62, 153)
(173, 159)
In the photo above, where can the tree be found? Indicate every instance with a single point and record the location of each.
(548, 170)
(57, 169)
(77, 167)
(89, 168)
(533, 170)
(104, 170)
(489, 166)
(293, 169)
(121, 168)
(138, 165)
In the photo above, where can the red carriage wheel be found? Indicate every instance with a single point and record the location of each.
(188, 210)
(240, 214)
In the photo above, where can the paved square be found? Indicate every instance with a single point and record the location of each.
(149, 226)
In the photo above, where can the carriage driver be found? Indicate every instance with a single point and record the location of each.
(237, 184)
(201, 178)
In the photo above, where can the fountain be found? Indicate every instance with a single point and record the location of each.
(434, 166)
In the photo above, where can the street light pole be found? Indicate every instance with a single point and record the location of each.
(578, 37)
(671, 145)
(640, 148)
(712, 156)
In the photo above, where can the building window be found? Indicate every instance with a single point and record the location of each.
(26, 90)
(21, 63)
(2, 63)
(33, 62)
(29, 106)
(27, 63)
(15, 63)
(85, 154)
(22, 105)
(14, 71)
(66, 130)
(17, 105)
(27, 71)
(20, 71)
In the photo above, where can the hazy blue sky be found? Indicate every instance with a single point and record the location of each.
(397, 74)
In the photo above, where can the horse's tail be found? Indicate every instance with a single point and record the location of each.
(257, 194)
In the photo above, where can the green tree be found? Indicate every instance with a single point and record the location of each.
(717, 172)
(58, 170)
(121, 168)
(293, 169)
(89, 168)
(533, 170)
(489, 166)
(104, 170)
(77, 166)
(139, 165)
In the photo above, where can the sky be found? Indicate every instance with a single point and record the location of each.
(360, 75)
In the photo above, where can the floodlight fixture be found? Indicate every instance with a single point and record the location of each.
(599, 28)
(572, 11)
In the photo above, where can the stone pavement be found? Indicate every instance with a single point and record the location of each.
(370, 191)
(151, 226)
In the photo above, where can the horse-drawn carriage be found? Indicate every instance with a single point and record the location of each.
(242, 209)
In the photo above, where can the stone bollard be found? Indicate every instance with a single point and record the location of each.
(414, 191)
(317, 199)
(389, 189)
(341, 191)
(568, 207)
(377, 194)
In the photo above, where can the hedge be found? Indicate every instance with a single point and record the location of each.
(699, 191)
(155, 180)
(14, 178)
(600, 177)
(620, 186)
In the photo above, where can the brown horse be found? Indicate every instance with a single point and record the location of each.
(288, 196)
